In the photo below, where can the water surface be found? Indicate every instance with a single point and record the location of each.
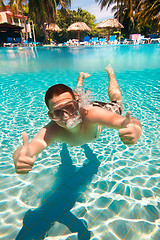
(105, 191)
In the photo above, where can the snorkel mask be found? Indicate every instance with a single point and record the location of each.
(68, 114)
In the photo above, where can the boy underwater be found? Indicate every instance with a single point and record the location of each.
(76, 124)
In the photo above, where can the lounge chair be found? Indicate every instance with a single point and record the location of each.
(25, 42)
(9, 39)
(38, 44)
(94, 40)
(144, 40)
(102, 41)
(73, 42)
(86, 41)
(154, 38)
(113, 39)
(9, 42)
(18, 40)
(127, 41)
(12, 42)
(30, 41)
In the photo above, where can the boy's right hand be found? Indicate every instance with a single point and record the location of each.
(22, 158)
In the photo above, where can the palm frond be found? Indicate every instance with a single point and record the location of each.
(2, 4)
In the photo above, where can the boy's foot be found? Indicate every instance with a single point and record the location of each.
(84, 75)
(81, 78)
(109, 69)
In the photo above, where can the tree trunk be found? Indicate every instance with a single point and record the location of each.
(79, 36)
(24, 20)
(34, 36)
(45, 33)
(108, 33)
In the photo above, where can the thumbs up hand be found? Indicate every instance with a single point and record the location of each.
(23, 160)
(128, 119)
(130, 131)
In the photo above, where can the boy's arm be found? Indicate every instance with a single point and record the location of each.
(25, 156)
(130, 129)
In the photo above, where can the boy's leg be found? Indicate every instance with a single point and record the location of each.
(81, 78)
(114, 91)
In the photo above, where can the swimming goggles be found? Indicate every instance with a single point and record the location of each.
(65, 112)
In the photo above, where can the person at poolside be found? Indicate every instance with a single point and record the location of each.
(76, 125)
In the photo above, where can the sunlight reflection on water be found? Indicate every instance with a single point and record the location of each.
(120, 198)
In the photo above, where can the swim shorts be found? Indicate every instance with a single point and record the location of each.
(113, 106)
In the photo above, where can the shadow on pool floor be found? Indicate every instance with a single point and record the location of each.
(68, 188)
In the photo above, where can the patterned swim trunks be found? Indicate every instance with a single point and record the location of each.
(114, 106)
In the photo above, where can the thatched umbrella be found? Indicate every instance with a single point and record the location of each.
(108, 24)
(53, 27)
(78, 26)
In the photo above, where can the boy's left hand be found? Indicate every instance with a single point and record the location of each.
(131, 132)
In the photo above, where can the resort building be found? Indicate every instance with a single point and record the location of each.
(12, 26)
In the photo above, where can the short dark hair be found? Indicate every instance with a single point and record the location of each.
(56, 90)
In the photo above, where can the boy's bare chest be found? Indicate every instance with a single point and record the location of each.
(80, 137)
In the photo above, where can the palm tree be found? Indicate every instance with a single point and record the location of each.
(44, 11)
(105, 3)
(128, 18)
(2, 4)
(148, 9)
(124, 11)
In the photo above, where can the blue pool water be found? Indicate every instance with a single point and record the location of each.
(104, 191)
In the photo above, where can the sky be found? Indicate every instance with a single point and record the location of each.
(92, 7)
